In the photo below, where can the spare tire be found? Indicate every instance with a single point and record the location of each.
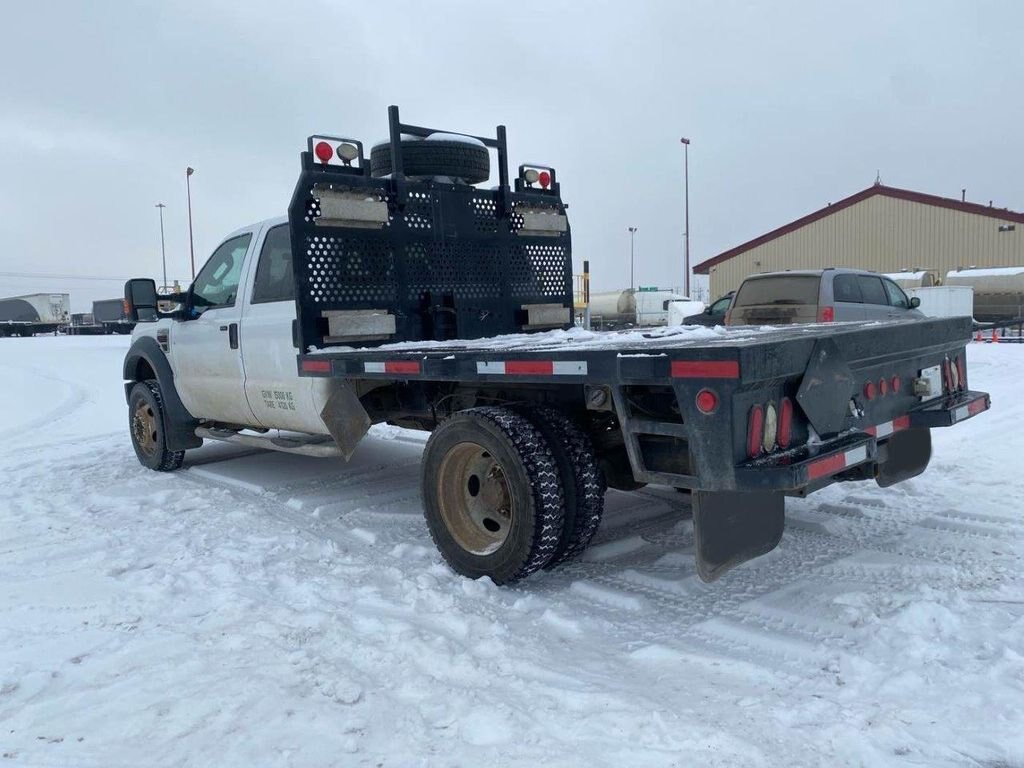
(441, 157)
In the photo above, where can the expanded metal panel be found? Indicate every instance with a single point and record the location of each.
(449, 262)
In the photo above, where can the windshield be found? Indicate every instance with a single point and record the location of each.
(779, 289)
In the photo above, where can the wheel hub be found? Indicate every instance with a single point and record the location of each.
(144, 427)
(474, 498)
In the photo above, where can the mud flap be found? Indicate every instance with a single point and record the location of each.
(345, 418)
(731, 527)
(907, 455)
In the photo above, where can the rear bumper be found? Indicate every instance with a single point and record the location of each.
(816, 466)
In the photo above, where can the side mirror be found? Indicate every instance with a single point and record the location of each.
(915, 302)
(140, 296)
(707, 311)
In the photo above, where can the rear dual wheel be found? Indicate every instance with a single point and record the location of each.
(505, 496)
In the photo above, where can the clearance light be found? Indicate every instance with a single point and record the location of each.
(895, 384)
(323, 152)
(755, 429)
(883, 387)
(869, 390)
(530, 175)
(707, 401)
(347, 152)
(785, 433)
(544, 178)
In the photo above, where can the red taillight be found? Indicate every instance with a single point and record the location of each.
(962, 370)
(785, 423)
(883, 387)
(707, 401)
(826, 314)
(544, 179)
(323, 152)
(869, 390)
(895, 384)
(755, 426)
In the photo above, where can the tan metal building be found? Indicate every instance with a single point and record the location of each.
(883, 229)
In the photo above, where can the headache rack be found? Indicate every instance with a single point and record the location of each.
(380, 259)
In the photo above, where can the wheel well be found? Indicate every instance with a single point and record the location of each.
(143, 370)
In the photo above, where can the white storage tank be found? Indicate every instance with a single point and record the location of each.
(998, 291)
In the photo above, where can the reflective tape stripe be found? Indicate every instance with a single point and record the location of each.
(534, 368)
(837, 462)
(705, 369)
(316, 366)
(393, 366)
(886, 429)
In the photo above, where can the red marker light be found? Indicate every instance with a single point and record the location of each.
(883, 387)
(755, 426)
(544, 178)
(785, 423)
(707, 401)
(895, 384)
(869, 390)
(323, 151)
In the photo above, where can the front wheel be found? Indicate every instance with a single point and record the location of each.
(146, 426)
(492, 494)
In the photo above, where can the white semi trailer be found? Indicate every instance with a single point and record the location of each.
(34, 313)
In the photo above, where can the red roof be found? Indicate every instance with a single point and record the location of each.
(1002, 214)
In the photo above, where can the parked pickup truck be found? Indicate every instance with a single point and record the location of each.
(400, 289)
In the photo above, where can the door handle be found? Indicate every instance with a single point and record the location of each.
(233, 335)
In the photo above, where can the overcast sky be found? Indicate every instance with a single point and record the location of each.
(788, 105)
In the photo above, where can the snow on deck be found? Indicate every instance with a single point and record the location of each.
(579, 339)
(260, 609)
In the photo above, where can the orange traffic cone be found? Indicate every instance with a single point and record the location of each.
(995, 339)
(977, 335)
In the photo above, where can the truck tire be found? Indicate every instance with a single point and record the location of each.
(146, 427)
(492, 495)
(461, 160)
(583, 482)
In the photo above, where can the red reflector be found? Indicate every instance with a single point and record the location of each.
(316, 366)
(827, 466)
(900, 422)
(323, 151)
(527, 367)
(755, 425)
(826, 314)
(962, 370)
(895, 384)
(711, 369)
(544, 179)
(977, 406)
(707, 401)
(401, 366)
(883, 387)
(869, 390)
(785, 423)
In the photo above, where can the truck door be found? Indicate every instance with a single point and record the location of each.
(279, 398)
(204, 348)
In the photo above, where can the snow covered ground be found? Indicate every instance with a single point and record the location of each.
(259, 609)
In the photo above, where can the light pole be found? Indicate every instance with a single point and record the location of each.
(632, 231)
(686, 234)
(163, 251)
(188, 192)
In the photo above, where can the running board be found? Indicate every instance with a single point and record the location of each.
(319, 446)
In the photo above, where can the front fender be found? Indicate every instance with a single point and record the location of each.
(179, 424)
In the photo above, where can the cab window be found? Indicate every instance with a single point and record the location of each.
(216, 285)
(896, 295)
(721, 305)
(274, 278)
(871, 289)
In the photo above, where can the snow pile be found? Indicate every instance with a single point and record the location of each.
(273, 610)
